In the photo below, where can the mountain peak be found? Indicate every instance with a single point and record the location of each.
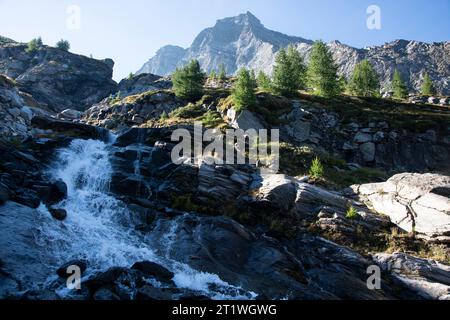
(243, 19)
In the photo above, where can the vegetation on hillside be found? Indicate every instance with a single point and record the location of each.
(188, 81)
(364, 81)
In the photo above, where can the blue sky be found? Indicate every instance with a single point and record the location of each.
(131, 31)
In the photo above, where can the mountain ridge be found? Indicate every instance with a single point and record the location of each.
(243, 41)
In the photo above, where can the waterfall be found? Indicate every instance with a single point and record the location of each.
(98, 227)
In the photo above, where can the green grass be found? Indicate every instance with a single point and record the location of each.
(351, 213)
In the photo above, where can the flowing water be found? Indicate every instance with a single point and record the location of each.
(98, 227)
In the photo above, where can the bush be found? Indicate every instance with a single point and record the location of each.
(63, 45)
(316, 171)
(188, 81)
(34, 45)
(352, 213)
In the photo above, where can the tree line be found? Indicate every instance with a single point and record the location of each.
(291, 74)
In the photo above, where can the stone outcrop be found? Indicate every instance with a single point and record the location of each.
(430, 279)
(133, 110)
(56, 78)
(243, 41)
(415, 202)
(17, 109)
(142, 83)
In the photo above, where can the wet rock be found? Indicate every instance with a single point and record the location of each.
(58, 214)
(40, 295)
(152, 293)
(27, 198)
(155, 270)
(104, 294)
(4, 193)
(82, 130)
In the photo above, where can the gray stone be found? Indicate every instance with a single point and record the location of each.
(368, 151)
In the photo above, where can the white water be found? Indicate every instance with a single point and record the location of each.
(98, 226)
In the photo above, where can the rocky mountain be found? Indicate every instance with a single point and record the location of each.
(243, 41)
(56, 78)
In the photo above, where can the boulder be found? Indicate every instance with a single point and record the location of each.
(155, 270)
(104, 294)
(244, 120)
(70, 114)
(58, 214)
(430, 279)
(367, 151)
(415, 202)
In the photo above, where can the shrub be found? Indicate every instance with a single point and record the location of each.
(352, 213)
(316, 171)
(63, 45)
(34, 45)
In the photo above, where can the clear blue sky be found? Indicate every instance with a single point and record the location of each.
(131, 31)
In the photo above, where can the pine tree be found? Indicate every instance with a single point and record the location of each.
(298, 68)
(243, 91)
(253, 77)
(222, 72)
(289, 72)
(263, 81)
(364, 81)
(399, 86)
(427, 86)
(322, 71)
(188, 82)
(282, 78)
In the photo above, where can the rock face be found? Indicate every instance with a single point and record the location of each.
(143, 82)
(236, 42)
(16, 110)
(133, 110)
(243, 41)
(56, 78)
(431, 280)
(414, 202)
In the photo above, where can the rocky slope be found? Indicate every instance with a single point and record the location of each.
(243, 41)
(189, 214)
(56, 78)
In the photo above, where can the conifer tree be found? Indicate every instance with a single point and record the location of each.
(399, 86)
(427, 86)
(264, 82)
(322, 71)
(188, 82)
(364, 81)
(222, 72)
(243, 90)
